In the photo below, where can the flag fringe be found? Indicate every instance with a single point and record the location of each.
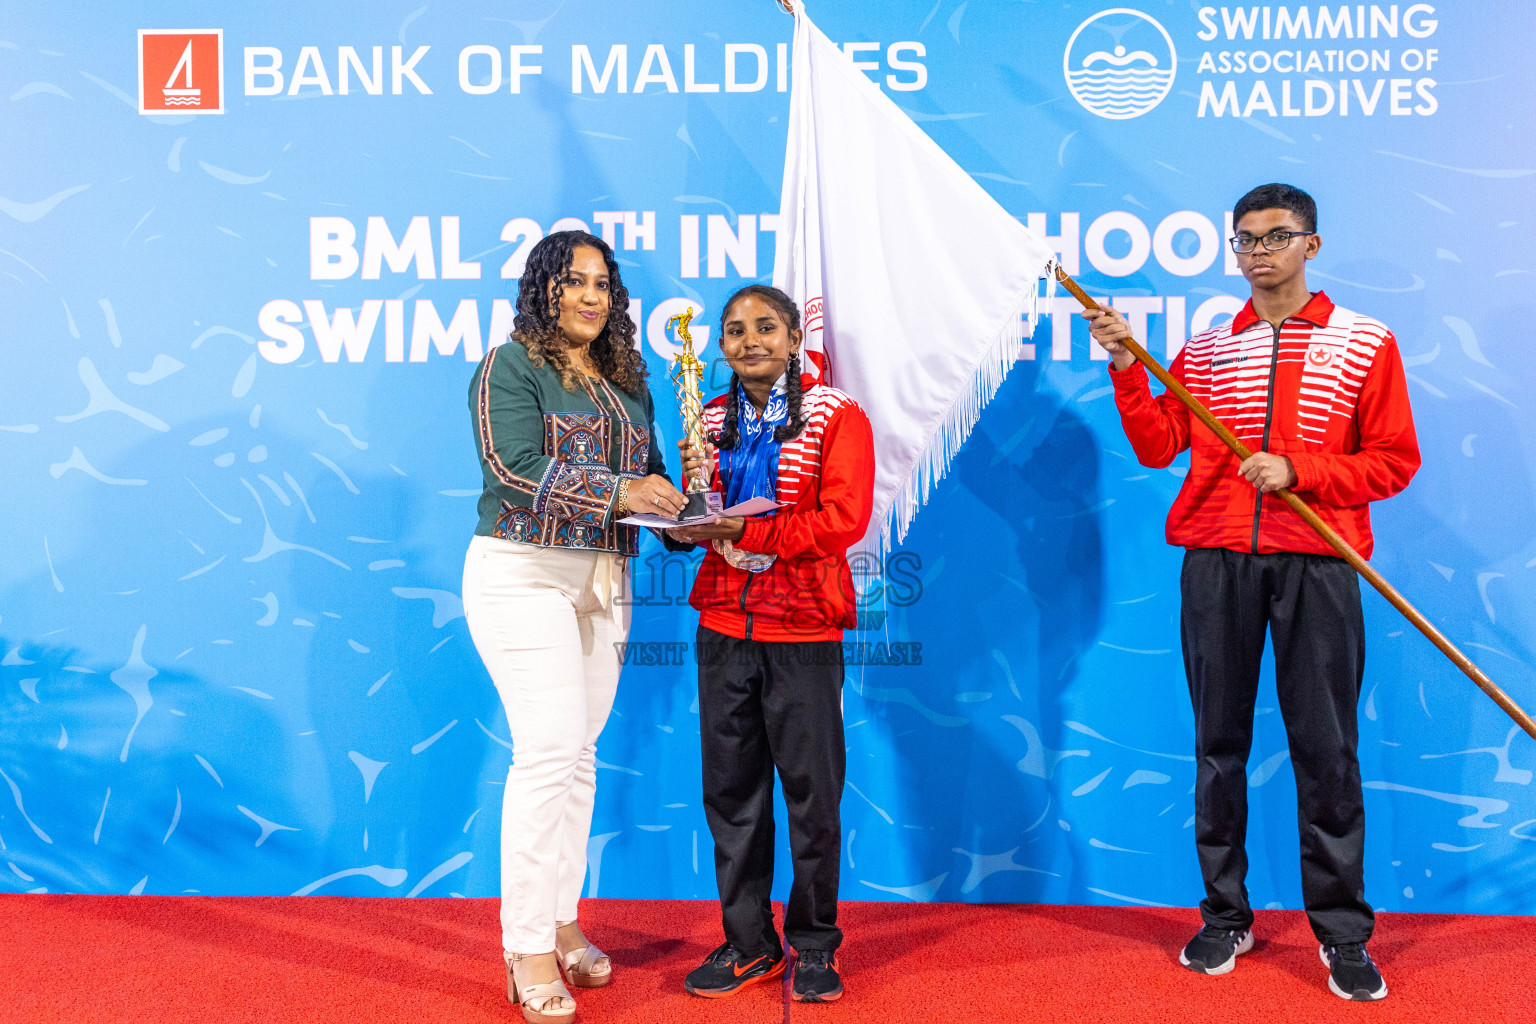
(942, 447)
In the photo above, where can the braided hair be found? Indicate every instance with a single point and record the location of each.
(785, 306)
(536, 324)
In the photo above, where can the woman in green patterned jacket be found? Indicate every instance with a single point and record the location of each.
(565, 434)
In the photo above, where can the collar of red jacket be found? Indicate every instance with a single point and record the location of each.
(1316, 312)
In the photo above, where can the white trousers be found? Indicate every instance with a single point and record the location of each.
(546, 622)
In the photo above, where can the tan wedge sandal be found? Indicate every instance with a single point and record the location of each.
(531, 996)
(587, 967)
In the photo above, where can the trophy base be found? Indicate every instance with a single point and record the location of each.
(702, 504)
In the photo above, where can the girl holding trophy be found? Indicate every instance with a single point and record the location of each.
(774, 595)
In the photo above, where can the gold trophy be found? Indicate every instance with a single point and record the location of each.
(702, 501)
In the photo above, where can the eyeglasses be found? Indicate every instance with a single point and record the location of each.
(1274, 241)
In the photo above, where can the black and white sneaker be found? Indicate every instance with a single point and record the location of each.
(1215, 950)
(728, 969)
(1351, 972)
(816, 979)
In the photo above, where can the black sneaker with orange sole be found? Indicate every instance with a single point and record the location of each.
(816, 979)
(728, 969)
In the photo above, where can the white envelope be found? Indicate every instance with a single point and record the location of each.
(750, 507)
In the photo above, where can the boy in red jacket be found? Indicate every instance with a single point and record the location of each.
(1318, 394)
(774, 595)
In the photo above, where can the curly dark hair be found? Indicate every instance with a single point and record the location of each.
(729, 434)
(614, 353)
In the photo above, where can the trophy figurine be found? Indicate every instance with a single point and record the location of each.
(702, 501)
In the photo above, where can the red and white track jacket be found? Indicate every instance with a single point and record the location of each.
(1326, 390)
(827, 477)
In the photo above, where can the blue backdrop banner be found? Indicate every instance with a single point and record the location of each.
(250, 255)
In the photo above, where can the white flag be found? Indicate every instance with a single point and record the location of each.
(916, 287)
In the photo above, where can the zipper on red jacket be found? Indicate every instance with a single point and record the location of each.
(1269, 409)
(743, 602)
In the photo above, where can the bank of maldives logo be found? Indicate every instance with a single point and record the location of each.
(1120, 63)
(181, 71)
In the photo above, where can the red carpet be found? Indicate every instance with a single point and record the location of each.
(101, 959)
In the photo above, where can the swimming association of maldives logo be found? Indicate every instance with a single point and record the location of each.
(1120, 63)
(181, 71)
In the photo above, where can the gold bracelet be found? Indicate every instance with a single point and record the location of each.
(621, 502)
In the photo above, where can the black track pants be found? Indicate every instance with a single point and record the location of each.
(762, 706)
(1310, 605)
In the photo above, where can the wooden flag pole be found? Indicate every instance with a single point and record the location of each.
(1339, 544)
